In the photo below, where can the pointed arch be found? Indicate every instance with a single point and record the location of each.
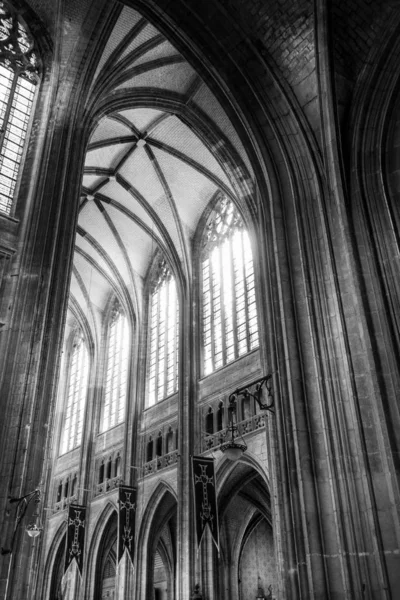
(157, 533)
(229, 320)
(116, 367)
(55, 562)
(243, 504)
(100, 547)
(226, 468)
(163, 332)
(76, 393)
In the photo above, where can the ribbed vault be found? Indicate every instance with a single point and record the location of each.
(161, 147)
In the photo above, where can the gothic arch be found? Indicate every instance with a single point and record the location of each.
(107, 553)
(159, 517)
(226, 469)
(55, 562)
(244, 491)
(100, 544)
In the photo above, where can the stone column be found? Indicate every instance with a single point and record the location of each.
(35, 293)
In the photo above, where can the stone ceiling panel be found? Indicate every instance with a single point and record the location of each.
(191, 190)
(94, 222)
(97, 287)
(84, 244)
(139, 245)
(90, 182)
(145, 35)
(107, 156)
(109, 128)
(210, 105)
(172, 78)
(161, 51)
(141, 117)
(139, 172)
(176, 134)
(126, 21)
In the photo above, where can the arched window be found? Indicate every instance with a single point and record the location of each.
(229, 315)
(159, 444)
(101, 472)
(246, 407)
(210, 421)
(74, 485)
(117, 466)
(59, 492)
(117, 370)
(170, 441)
(220, 416)
(18, 79)
(163, 336)
(109, 468)
(149, 453)
(76, 395)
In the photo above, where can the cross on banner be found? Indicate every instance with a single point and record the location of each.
(75, 535)
(205, 498)
(206, 514)
(126, 521)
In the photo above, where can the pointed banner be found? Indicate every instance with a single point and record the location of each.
(126, 521)
(75, 535)
(205, 498)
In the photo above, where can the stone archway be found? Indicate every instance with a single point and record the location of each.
(247, 558)
(257, 561)
(106, 562)
(58, 571)
(158, 540)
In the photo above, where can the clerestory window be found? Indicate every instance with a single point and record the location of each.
(18, 79)
(229, 311)
(163, 336)
(116, 377)
(78, 377)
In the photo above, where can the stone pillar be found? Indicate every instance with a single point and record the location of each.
(35, 292)
(185, 554)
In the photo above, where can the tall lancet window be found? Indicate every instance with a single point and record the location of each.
(163, 336)
(116, 378)
(77, 387)
(18, 78)
(229, 311)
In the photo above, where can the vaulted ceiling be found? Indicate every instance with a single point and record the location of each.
(161, 148)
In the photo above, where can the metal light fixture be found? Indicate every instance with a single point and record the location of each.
(233, 448)
(33, 528)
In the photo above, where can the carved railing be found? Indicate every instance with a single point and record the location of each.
(159, 463)
(107, 485)
(62, 504)
(250, 425)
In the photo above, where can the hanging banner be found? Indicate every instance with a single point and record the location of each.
(75, 535)
(126, 521)
(205, 498)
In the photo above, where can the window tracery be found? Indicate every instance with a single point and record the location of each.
(229, 312)
(116, 377)
(163, 336)
(76, 395)
(19, 75)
